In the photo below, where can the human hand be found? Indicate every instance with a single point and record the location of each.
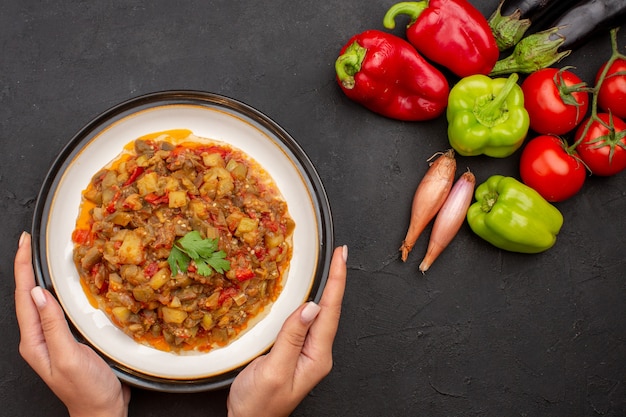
(274, 384)
(73, 371)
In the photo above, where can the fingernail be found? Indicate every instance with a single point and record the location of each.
(345, 253)
(38, 297)
(22, 238)
(309, 312)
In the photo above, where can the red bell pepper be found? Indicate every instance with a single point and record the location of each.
(452, 33)
(384, 73)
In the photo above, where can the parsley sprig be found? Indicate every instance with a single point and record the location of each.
(203, 252)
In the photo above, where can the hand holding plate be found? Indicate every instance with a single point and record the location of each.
(74, 372)
(274, 384)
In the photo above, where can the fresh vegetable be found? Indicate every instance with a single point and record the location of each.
(532, 53)
(388, 76)
(550, 167)
(572, 29)
(514, 217)
(530, 9)
(430, 195)
(487, 116)
(612, 92)
(588, 18)
(452, 33)
(512, 19)
(601, 139)
(556, 100)
(508, 28)
(601, 144)
(450, 218)
(203, 252)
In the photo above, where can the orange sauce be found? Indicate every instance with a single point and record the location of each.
(90, 297)
(84, 218)
(176, 134)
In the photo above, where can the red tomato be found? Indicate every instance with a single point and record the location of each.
(555, 100)
(612, 93)
(603, 147)
(554, 171)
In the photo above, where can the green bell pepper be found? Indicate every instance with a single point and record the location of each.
(514, 217)
(487, 116)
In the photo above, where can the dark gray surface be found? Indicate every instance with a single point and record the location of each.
(484, 333)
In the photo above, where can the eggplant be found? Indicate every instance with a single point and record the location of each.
(514, 18)
(537, 11)
(572, 29)
(586, 19)
(527, 8)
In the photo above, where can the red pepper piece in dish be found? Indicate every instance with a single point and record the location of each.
(452, 33)
(388, 76)
(133, 177)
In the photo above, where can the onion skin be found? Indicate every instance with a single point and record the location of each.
(450, 218)
(429, 197)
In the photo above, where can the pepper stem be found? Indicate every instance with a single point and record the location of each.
(490, 110)
(349, 63)
(413, 9)
(488, 201)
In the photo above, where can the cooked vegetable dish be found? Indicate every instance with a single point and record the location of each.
(182, 241)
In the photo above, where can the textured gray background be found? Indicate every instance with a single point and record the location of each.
(484, 333)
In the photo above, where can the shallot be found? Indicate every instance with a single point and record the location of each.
(450, 218)
(429, 197)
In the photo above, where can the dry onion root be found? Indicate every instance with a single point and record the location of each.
(429, 197)
(450, 218)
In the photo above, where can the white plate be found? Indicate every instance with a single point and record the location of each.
(210, 116)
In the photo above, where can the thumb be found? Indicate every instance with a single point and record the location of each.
(291, 337)
(53, 323)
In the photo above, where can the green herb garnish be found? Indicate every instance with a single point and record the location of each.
(203, 252)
